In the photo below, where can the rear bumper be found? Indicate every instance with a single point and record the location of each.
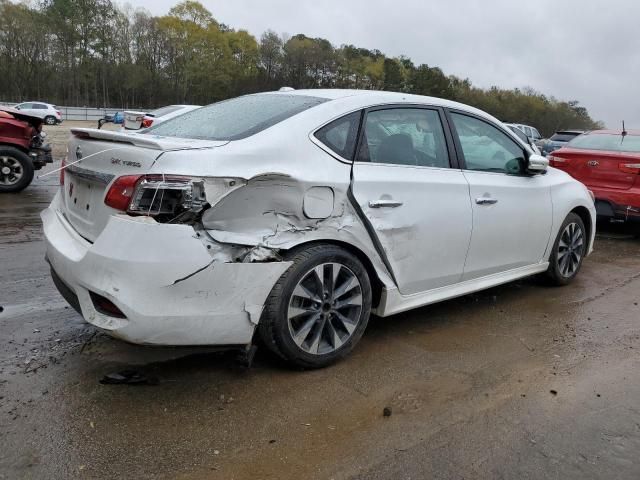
(618, 205)
(163, 279)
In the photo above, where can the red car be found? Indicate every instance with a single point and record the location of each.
(608, 163)
(22, 149)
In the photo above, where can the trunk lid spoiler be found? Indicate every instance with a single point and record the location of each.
(145, 140)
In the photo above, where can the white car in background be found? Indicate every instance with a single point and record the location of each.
(295, 215)
(49, 113)
(134, 120)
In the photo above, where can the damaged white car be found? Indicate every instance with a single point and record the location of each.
(293, 216)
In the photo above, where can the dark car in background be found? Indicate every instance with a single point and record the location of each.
(559, 139)
(608, 163)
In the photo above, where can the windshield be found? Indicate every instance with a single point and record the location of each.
(237, 118)
(563, 137)
(610, 142)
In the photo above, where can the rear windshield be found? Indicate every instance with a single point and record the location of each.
(609, 142)
(563, 137)
(236, 118)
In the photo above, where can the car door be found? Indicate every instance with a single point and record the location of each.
(512, 211)
(415, 201)
(40, 110)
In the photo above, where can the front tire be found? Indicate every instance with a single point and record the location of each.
(568, 252)
(16, 170)
(50, 120)
(318, 310)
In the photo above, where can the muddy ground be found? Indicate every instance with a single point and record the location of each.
(520, 381)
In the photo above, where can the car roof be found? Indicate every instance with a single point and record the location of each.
(374, 97)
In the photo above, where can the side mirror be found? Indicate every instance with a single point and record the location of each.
(537, 164)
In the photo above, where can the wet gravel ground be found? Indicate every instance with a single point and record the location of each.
(520, 381)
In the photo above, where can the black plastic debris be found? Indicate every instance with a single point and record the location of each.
(386, 411)
(128, 377)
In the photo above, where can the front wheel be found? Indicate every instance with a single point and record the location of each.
(319, 308)
(16, 170)
(568, 252)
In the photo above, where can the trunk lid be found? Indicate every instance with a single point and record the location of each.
(96, 158)
(133, 119)
(597, 168)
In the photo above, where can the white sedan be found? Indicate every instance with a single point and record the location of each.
(134, 120)
(295, 215)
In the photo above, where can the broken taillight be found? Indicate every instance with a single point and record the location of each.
(147, 122)
(156, 195)
(121, 191)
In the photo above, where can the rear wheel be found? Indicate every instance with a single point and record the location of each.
(569, 250)
(50, 120)
(319, 308)
(16, 170)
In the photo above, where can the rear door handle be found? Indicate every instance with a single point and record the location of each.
(486, 201)
(384, 203)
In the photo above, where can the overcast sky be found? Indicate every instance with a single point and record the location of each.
(584, 50)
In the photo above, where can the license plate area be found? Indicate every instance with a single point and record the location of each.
(81, 197)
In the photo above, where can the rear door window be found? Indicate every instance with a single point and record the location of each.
(341, 135)
(404, 136)
(39, 106)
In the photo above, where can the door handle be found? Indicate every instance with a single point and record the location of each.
(384, 203)
(486, 201)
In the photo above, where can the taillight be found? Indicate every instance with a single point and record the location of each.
(121, 191)
(62, 167)
(58, 113)
(147, 122)
(556, 161)
(633, 168)
(156, 195)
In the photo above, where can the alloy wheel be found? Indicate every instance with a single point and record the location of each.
(570, 250)
(325, 308)
(11, 170)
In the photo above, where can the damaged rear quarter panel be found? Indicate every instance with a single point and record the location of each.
(288, 197)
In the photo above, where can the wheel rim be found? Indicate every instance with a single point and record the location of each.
(570, 249)
(50, 121)
(11, 170)
(325, 308)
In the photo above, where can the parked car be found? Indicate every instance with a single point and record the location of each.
(521, 135)
(136, 120)
(608, 163)
(49, 113)
(559, 139)
(22, 149)
(116, 118)
(531, 132)
(295, 215)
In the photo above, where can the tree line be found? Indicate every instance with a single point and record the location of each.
(96, 53)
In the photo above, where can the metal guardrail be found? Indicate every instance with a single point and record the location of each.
(83, 113)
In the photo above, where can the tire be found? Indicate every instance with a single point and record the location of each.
(50, 120)
(16, 170)
(312, 332)
(568, 252)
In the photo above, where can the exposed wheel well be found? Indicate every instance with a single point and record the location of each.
(376, 284)
(583, 213)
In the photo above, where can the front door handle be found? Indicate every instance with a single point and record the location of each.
(384, 203)
(486, 201)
